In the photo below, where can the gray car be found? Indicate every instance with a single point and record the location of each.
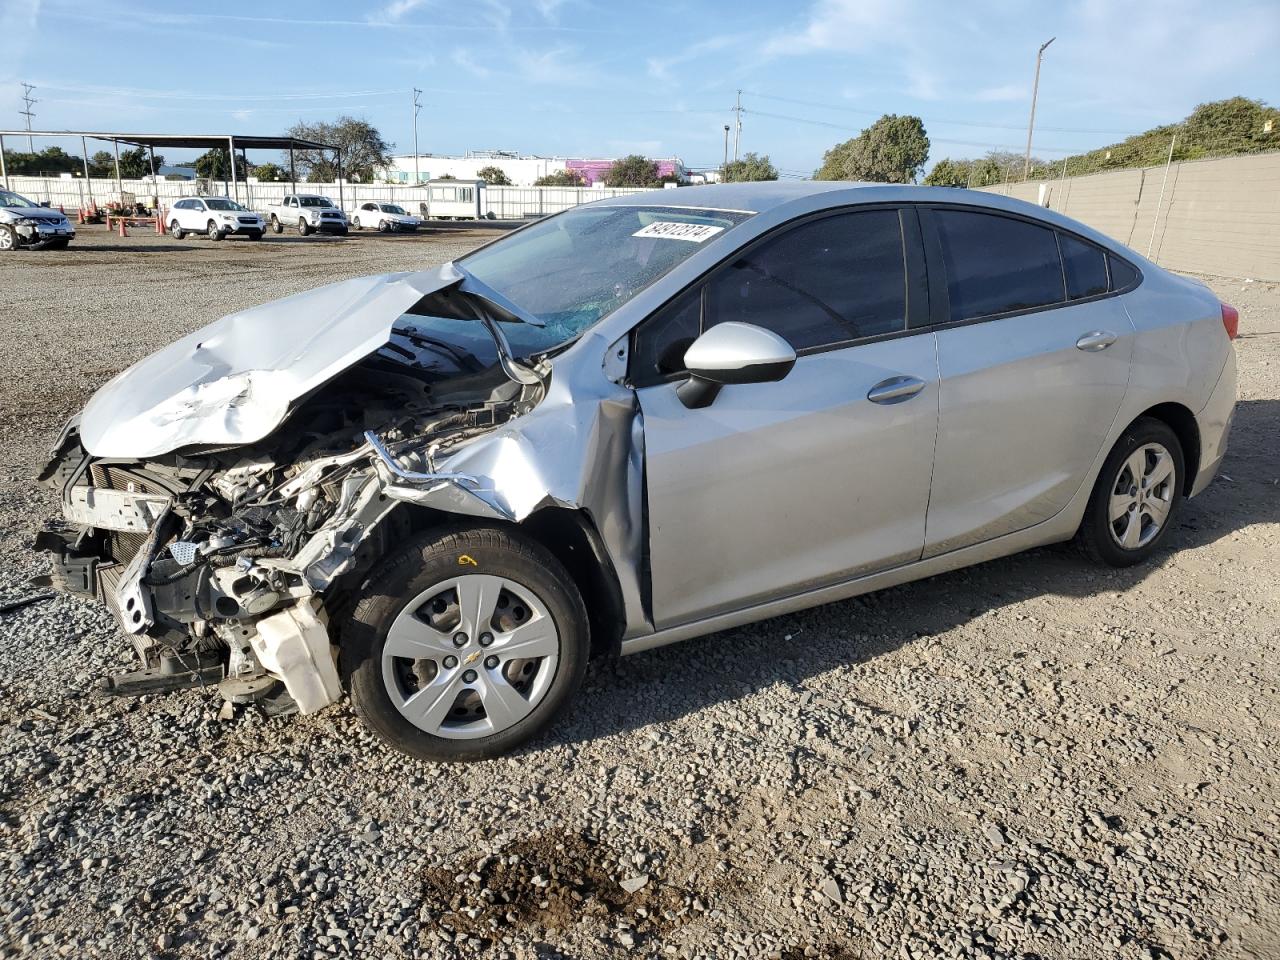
(633, 423)
(25, 223)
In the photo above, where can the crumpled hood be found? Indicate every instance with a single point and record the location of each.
(234, 381)
(23, 213)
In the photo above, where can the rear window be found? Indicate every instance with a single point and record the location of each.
(997, 264)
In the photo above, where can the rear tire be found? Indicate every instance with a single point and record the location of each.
(356, 223)
(1136, 496)
(421, 591)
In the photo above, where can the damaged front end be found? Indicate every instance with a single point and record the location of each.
(225, 561)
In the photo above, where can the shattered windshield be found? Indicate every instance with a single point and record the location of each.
(572, 269)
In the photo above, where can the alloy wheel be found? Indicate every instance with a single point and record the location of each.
(470, 656)
(1142, 496)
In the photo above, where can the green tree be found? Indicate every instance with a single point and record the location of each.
(213, 165)
(270, 172)
(561, 178)
(750, 167)
(494, 176)
(949, 173)
(891, 150)
(102, 164)
(632, 171)
(48, 162)
(360, 146)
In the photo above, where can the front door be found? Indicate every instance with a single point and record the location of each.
(779, 488)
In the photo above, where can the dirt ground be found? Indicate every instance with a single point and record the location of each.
(1033, 758)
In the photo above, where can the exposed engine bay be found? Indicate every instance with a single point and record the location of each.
(225, 563)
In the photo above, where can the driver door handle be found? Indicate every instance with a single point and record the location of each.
(1096, 340)
(895, 390)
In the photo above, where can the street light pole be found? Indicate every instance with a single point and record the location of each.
(416, 107)
(1035, 90)
(724, 167)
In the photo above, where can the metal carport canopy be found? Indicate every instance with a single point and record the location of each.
(183, 141)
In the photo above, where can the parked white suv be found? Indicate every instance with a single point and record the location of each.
(215, 217)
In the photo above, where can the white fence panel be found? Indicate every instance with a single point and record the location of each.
(499, 203)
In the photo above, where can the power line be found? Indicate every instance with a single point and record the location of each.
(958, 123)
(957, 143)
(28, 100)
(233, 97)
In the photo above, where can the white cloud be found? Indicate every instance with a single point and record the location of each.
(1005, 93)
(660, 68)
(462, 58)
(846, 25)
(397, 10)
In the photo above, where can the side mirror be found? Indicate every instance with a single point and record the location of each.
(733, 353)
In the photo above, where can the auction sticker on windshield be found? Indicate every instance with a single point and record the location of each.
(671, 230)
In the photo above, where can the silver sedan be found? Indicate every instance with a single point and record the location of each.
(636, 422)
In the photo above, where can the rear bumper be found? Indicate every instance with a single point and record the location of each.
(1214, 421)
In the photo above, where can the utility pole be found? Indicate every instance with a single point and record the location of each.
(1035, 90)
(416, 107)
(737, 134)
(724, 167)
(28, 100)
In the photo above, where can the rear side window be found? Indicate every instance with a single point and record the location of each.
(998, 264)
(825, 282)
(1123, 276)
(1085, 267)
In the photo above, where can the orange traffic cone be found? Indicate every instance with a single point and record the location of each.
(80, 216)
(123, 231)
(159, 221)
(62, 210)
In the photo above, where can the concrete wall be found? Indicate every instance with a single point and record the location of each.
(1217, 217)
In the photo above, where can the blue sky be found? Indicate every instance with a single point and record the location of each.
(597, 78)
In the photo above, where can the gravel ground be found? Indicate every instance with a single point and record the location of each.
(1031, 758)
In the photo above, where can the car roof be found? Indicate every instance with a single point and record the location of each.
(777, 195)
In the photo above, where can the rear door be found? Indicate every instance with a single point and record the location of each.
(1034, 351)
(778, 488)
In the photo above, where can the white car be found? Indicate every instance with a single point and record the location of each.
(215, 217)
(386, 217)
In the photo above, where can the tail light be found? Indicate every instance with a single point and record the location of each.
(1230, 320)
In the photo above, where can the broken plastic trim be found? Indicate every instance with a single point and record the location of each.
(385, 456)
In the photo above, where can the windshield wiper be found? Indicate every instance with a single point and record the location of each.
(481, 289)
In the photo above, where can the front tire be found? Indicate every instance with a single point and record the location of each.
(304, 228)
(464, 644)
(212, 231)
(276, 225)
(176, 231)
(1136, 496)
(8, 239)
(384, 227)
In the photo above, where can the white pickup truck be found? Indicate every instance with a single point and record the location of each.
(307, 212)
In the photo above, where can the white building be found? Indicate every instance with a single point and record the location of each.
(521, 171)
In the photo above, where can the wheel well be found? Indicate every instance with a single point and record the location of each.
(1182, 422)
(573, 540)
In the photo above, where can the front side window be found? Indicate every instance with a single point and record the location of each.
(998, 264)
(825, 282)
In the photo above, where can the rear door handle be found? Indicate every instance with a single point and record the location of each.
(895, 390)
(1096, 340)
